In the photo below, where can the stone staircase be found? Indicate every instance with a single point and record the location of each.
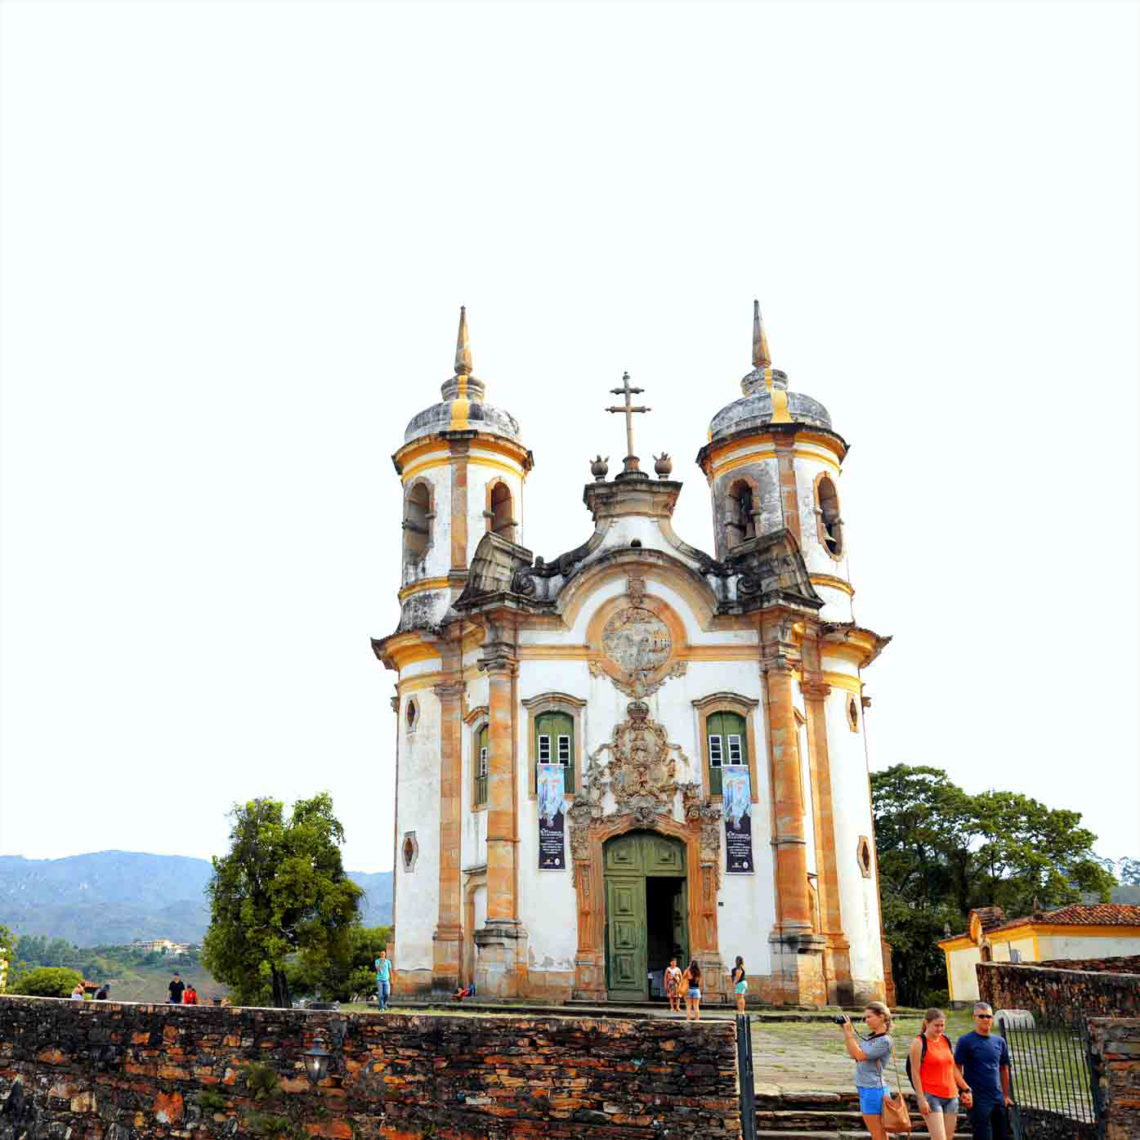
(816, 1115)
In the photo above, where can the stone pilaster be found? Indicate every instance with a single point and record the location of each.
(837, 952)
(501, 963)
(797, 963)
(448, 937)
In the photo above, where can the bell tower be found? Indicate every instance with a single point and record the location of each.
(463, 465)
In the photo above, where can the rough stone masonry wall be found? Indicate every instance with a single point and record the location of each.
(111, 1071)
(1053, 994)
(1115, 1046)
(1129, 965)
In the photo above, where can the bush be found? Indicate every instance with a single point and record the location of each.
(47, 981)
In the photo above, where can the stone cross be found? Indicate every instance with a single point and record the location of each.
(628, 411)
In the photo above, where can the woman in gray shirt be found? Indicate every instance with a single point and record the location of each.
(870, 1055)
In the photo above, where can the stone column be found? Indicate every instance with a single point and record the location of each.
(797, 966)
(837, 953)
(448, 936)
(499, 969)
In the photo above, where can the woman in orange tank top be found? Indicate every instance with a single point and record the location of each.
(936, 1079)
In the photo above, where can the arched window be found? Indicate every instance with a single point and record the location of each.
(417, 522)
(501, 511)
(554, 743)
(479, 768)
(741, 523)
(727, 744)
(827, 512)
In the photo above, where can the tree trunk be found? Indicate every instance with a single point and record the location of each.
(281, 998)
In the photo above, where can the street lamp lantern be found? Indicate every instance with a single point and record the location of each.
(317, 1061)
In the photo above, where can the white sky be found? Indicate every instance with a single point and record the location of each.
(234, 238)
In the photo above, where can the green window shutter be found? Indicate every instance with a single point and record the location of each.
(480, 796)
(727, 744)
(554, 733)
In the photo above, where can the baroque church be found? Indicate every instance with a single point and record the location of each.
(636, 750)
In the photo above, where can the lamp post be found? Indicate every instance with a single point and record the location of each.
(317, 1061)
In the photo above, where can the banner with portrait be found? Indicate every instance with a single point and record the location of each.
(736, 803)
(551, 817)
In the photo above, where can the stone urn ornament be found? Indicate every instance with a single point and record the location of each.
(599, 467)
(663, 465)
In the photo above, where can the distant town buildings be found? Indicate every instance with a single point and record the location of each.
(160, 946)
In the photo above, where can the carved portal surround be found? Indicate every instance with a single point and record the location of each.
(631, 784)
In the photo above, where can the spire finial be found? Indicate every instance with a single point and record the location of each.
(462, 346)
(761, 358)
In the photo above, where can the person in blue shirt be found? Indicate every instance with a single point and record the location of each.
(383, 979)
(870, 1054)
(983, 1058)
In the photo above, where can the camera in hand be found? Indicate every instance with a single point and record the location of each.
(840, 1021)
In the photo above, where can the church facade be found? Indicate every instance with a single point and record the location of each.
(636, 750)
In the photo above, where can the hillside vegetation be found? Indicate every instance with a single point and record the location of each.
(114, 897)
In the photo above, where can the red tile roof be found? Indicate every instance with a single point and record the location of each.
(992, 917)
(1083, 914)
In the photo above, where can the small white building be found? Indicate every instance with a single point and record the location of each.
(700, 715)
(1073, 933)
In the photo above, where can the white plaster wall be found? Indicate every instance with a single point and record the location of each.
(437, 562)
(963, 976)
(478, 477)
(417, 891)
(1025, 945)
(851, 800)
(1078, 945)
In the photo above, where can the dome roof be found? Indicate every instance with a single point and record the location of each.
(766, 397)
(462, 407)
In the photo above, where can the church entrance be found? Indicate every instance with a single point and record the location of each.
(646, 913)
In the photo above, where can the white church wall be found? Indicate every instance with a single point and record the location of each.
(858, 897)
(417, 890)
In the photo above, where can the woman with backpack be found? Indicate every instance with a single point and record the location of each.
(739, 983)
(936, 1079)
(691, 991)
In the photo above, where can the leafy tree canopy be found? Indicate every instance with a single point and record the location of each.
(47, 981)
(280, 894)
(943, 852)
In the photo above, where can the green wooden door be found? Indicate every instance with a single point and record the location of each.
(627, 861)
(626, 962)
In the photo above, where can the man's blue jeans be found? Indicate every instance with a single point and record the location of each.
(383, 989)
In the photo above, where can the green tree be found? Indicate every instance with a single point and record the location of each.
(943, 852)
(47, 981)
(280, 894)
(345, 976)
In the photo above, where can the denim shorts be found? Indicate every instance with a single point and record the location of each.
(694, 993)
(871, 1100)
(946, 1104)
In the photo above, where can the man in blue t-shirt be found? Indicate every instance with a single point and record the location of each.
(383, 979)
(983, 1058)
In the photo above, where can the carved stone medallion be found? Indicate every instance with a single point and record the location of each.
(637, 641)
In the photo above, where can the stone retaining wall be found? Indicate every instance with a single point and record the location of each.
(1116, 1067)
(1129, 965)
(1053, 993)
(118, 1071)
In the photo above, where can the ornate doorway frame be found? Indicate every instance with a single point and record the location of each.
(702, 871)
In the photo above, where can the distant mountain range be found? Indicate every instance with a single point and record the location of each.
(114, 897)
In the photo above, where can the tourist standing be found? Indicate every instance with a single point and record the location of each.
(869, 1053)
(739, 983)
(103, 992)
(983, 1058)
(77, 992)
(176, 988)
(691, 988)
(673, 986)
(383, 979)
(937, 1080)
(190, 995)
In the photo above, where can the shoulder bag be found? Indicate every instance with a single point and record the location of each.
(896, 1115)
